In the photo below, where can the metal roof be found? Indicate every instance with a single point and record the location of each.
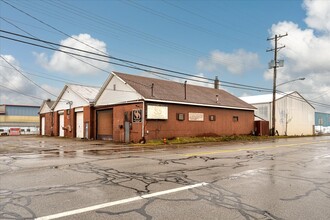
(174, 92)
(266, 98)
(86, 92)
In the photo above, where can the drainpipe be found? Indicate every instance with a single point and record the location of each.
(143, 118)
(52, 128)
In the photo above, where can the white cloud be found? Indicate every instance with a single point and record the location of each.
(318, 16)
(65, 63)
(306, 54)
(237, 62)
(16, 89)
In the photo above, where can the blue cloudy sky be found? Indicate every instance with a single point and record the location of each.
(224, 38)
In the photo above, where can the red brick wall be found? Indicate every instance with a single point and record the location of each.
(223, 125)
(69, 119)
(155, 129)
(89, 118)
(56, 124)
(48, 123)
(119, 119)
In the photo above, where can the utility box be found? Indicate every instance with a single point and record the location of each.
(261, 128)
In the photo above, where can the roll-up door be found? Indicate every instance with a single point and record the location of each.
(43, 121)
(61, 125)
(104, 125)
(79, 124)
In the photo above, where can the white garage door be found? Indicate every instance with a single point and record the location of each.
(43, 125)
(61, 125)
(79, 124)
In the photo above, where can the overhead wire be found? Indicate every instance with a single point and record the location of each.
(26, 76)
(171, 75)
(156, 72)
(119, 59)
(21, 93)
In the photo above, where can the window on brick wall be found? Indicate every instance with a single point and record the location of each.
(235, 118)
(180, 116)
(212, 117)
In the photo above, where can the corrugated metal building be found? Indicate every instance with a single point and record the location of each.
(322, 122)
(130, 108)
(25, 118)
(294, 115)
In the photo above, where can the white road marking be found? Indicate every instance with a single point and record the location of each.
(123, 201)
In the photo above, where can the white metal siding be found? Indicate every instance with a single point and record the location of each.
(79, 124)
(117, 92)
(67, 96)
(294, 116)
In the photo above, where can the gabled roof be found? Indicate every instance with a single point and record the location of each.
(152, 89)
(87, 93)
(265, 98)
(46, 105)
(268, 98)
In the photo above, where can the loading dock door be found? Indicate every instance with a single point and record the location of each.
(61, 125)
(104, 125)
(43, 125)
(79, 124)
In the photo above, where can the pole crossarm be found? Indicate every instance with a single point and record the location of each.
(276, 38)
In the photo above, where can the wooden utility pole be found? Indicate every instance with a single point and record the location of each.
(274, 66)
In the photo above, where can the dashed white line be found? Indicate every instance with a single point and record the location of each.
(123, 201)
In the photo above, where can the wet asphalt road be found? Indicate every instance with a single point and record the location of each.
(281, 179)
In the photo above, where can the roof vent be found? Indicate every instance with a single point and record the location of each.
(152, 90)
(185, 90)
(216, 82)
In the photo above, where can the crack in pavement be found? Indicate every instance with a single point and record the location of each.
(140, 183)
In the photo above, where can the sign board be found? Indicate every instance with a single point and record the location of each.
(137, 115)
(14, 131)
(157, 112)
(192, 116)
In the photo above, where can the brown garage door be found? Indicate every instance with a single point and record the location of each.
(104, 124)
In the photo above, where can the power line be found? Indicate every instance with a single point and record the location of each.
(238, 86)
(26, 76)
(21, 93)
(255, 88)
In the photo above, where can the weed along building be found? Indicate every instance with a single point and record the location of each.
(130, 108)
(73, 112)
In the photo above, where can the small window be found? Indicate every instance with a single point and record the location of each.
(212, 117)
(28, 130)
(2, 130)
(22, 130)
(235, 118)
(180, 116)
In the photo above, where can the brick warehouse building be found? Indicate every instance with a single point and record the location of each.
(46, 118)
(129, 108)
(73, 112)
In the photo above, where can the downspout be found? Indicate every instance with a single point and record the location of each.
(52, 127)
(143, 118)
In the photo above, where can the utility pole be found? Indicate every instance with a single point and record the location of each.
(274, 65)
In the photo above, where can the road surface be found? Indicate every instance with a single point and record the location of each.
(53, 178)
